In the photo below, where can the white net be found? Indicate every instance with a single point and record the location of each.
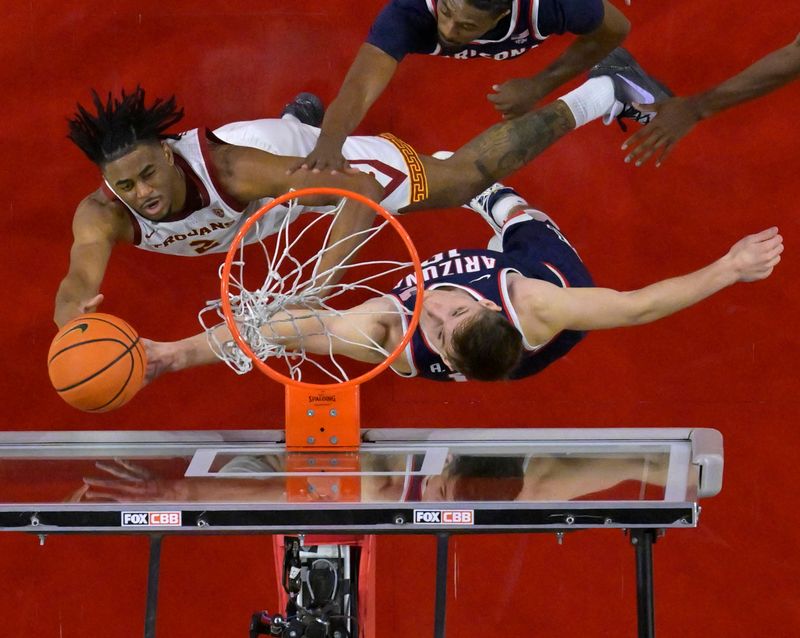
(306, 319)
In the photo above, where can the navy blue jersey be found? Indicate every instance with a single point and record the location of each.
(532, 248)
(409, 26)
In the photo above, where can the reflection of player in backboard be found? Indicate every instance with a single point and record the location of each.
(530, 477)
(464, 478)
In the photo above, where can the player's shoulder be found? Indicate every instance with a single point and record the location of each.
(530, 294)
(102, 215)
(99, 202)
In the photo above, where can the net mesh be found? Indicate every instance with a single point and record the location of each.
(284, 303)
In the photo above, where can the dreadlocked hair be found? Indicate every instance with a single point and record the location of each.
(120, 124)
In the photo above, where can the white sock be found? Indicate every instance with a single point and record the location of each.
(503, 206)
(591, 100)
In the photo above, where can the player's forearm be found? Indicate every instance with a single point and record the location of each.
(666, 297)
(365, 81)
(73, 292)
(192, 352)
(341, 118)
(584, 52)
(767, 74)
(347, 235)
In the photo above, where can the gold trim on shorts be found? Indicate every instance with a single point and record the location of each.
(416, 171)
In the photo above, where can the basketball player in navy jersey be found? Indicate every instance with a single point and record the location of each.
(466, 30)
(187, 194)
(491, 315)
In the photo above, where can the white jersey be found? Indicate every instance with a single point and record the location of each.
(211, 224)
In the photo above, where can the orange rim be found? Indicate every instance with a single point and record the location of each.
(228, 312)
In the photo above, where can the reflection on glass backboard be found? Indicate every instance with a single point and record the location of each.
(485, 472)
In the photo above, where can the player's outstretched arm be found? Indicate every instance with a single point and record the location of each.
(96, 227)
(357, 333)
(249, 174)
(677, 116)
(519, 95)
(368, 76)
(750, 259)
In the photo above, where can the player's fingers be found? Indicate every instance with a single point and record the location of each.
(296, 166)
(664, 153)
(645, 144)
(78, 495)
(646, 108)
(641, 134)
(135, 470)
(772, 248)
(92, 304)
(765, 234)
(113, 470)
(121, 488)
(650, 149)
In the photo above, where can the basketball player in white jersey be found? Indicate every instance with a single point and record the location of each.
(187, 194)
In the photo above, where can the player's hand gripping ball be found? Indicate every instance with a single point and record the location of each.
(96, 362)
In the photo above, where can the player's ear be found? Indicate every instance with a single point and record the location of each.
(490, 305)
(168, 155)
(447, 361)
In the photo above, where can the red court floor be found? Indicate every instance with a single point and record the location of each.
(728, 363)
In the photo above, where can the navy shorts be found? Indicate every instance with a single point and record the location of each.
(533, 245)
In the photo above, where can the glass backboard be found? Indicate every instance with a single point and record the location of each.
(399, 481)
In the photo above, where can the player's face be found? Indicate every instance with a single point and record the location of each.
(459, 23)
(439, 487)
(147, 180)
(443, 311)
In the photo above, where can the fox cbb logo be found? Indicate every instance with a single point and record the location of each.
(444, 517)
(151, 519)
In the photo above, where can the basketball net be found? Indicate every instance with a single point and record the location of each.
(278, 302)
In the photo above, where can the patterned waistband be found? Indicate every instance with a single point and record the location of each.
(416, 171)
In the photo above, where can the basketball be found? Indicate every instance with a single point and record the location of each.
(96, 362)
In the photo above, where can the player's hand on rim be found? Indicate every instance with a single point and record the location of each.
(755, 256)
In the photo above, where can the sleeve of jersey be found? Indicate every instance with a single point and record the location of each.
(567, 16)
(403, 27)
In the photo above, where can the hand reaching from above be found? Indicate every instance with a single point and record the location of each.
(675, 117)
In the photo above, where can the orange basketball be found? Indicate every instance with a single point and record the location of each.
(96, 362)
